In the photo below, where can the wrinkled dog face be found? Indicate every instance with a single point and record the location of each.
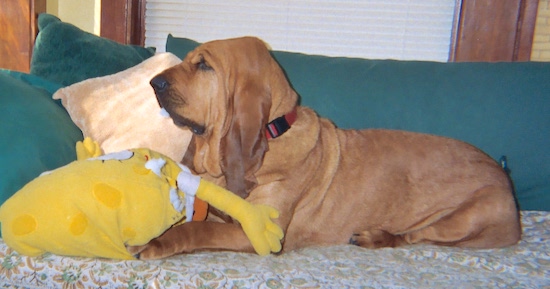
(187, 91)
(197, 95)
(223, 91)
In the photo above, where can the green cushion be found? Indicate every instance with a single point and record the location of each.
(180, 46)
(65, 54)
(502, 108)
(37, 133)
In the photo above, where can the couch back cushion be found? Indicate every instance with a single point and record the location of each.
(37, 134)
(502, 108)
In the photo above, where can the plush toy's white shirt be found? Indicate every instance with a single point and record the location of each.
(189, 184)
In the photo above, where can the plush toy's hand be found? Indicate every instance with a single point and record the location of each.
(260, 229)
(87, 149)
(256, 220)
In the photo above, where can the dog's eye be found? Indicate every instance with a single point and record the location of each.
(203, 65)
(198, 130)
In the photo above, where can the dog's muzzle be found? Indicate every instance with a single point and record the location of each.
(159, 84)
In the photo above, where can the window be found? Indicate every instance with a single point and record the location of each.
(396, 29)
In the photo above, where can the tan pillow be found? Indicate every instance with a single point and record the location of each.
(120, 111)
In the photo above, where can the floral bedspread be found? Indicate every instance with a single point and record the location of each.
(526, 265)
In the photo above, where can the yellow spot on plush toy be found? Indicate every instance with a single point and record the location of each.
(107, 195)
(78, 225)
(95, 207)
(23, 225)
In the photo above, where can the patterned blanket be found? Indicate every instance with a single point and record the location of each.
(526, 265)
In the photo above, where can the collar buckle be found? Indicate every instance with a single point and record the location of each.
(280, 125)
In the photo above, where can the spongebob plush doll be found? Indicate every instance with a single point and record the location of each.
(99, 204)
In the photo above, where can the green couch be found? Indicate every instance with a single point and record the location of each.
(503, 108)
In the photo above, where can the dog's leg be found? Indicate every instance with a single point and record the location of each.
(194, 236)
(489, 220)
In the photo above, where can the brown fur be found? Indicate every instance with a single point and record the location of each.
(376, 187)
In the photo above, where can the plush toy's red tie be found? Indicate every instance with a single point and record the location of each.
(280, 125)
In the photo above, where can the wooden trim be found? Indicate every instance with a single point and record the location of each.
(526, 30)
(113, 20)
(38, 7)
(123, 21)
(454, 30)
(494, 30)
(19, 28)
(138, 22)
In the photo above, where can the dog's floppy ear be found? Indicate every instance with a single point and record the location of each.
(236, 143)
(244, 146)
(189, 155)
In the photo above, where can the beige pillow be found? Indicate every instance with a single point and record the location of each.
(120, 111)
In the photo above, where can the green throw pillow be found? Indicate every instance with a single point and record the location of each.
(65, 54)
(502, 108)
(180, 46)
(37, 134)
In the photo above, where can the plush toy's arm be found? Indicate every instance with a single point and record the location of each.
(256, 220)
(87, 149)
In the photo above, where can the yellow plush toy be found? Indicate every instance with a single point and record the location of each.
(95, 207)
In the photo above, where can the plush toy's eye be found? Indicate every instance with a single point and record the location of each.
(146, 157)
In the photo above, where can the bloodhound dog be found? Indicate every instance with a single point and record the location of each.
(372, 188)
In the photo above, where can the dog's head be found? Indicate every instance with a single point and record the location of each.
(226, 92)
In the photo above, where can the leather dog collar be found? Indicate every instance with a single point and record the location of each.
(280, 125)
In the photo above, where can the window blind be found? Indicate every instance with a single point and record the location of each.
(379, 29)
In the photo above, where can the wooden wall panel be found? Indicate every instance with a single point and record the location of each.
(113, 20)
(494, 30)
(123, 21)
(18, 22)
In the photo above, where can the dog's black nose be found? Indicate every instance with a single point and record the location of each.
(159, 83)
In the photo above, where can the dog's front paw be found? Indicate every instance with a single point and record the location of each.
(151, 251)
(136, 250)
(172, 242)
(176, 240)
